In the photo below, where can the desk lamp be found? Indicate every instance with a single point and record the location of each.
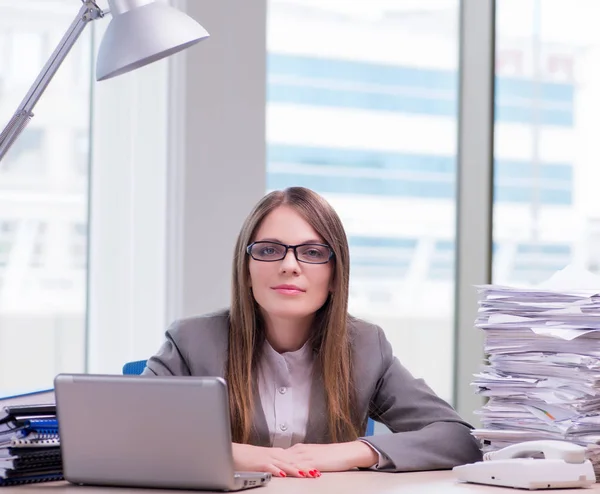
(140, 32)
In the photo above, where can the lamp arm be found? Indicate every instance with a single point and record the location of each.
(89, 11)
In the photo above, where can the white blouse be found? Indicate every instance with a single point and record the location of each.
(284, 385)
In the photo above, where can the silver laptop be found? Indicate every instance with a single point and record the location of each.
(169, 432)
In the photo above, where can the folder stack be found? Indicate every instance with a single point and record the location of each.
(542, 375)
(29, 444)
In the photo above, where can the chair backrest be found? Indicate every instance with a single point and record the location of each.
(138, 366)
(370, 428)
(134, 368)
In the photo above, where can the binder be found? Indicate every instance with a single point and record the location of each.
(6, 442)
(41, 396)
(28, 458)
(17, 417)
(26, 426)
(34, 454)
(10, 452)
(31, 470)
(15, 412)
(41, 423)
(8, 469)
(21, 446)
(5, 482)
(34, 443)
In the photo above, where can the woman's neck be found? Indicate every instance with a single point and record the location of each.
(287, 335)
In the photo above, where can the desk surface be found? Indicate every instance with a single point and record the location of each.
(329, 483)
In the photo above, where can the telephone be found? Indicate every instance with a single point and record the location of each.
(563, 466)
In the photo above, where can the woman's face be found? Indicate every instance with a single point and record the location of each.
(288, 288)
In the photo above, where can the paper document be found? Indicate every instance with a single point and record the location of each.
(542, 376)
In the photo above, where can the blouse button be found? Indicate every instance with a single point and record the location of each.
(282, 390)
(283, 427)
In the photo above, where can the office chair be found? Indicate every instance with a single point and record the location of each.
(136, 368)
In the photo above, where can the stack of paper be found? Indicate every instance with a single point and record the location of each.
(542, 375)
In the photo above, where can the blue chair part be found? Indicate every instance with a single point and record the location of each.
(137, 367)
(134, 368)
(370, 428)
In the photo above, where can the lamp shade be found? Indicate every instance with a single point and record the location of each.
(141, 32)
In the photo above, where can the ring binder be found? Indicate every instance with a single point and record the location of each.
(30, 480)
(34, 443)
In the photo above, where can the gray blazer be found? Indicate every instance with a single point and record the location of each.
(427, 433)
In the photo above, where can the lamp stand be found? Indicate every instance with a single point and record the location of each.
(89, 11)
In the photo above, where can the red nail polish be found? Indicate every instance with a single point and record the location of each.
(282, 474)
(301, 473)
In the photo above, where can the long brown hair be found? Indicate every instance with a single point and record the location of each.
(330, 338)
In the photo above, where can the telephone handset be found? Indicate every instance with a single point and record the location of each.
(561, 464)
(550, 450)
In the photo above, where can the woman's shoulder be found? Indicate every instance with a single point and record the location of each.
(197, 344)
(364, 334)
(207, 328)
(358, 325)
(371, 350)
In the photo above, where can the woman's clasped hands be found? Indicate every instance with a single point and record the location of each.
(303, 460)
(277, 461)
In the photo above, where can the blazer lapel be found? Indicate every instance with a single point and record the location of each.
(259, 435)
(317, 430)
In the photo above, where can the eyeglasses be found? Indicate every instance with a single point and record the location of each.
(275, 251)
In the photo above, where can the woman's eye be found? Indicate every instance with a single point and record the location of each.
(314, 253)
(267, 251)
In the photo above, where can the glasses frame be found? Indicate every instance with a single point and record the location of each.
(287, 248)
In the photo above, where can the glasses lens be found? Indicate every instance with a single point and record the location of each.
(313, 253)
(267, 251)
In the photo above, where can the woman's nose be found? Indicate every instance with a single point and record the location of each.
(289, 262)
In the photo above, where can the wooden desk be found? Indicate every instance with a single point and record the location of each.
(442, 482)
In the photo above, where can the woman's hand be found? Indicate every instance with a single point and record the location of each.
(277, 461)
(334, 457)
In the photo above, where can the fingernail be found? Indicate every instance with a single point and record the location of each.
(313, 473)
(282, 474)
(317, 473)
(301, 473)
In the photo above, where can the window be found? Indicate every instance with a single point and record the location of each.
(81, 152)
(546, 208)
(442, 261)
(42, 281)
(374, 258)
(536, 262)
(26, 156)
(39, 244)
(79, 237)
(352, 113)
(3, 53)
(27, 54)
(7, 229)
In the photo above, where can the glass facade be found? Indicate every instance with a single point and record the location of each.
(355, 115)
(553, 64)
(43, 200)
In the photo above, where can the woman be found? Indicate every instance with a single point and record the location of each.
(303, 375)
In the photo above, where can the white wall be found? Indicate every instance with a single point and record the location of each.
(222, 168)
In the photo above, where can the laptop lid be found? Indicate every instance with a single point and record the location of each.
(170, 432)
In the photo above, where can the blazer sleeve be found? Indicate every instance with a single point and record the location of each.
(169, 360)
(427, 434)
